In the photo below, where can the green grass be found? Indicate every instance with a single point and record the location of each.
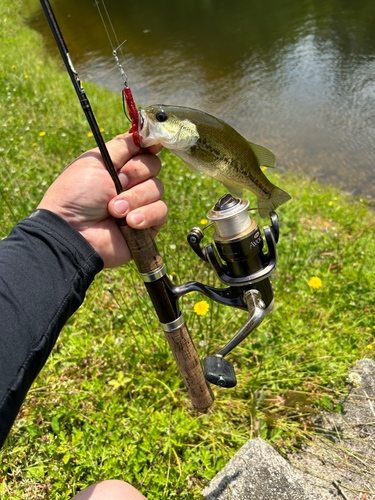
(110, 402)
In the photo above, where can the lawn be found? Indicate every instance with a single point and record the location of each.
(110, 402)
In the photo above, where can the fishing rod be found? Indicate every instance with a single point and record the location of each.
(236, 256)
(145, 254)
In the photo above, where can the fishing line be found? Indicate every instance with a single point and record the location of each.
(110, 22)
(126, 93)
(114, 51)
(104, 24)
(118, 44)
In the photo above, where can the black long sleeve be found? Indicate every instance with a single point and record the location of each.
(46, 267)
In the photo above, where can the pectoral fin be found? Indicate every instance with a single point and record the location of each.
(186, 158)
(193, 169)
(202, 155)
(264, 156)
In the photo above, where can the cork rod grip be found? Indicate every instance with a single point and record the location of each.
(188, 363)
(142, 247)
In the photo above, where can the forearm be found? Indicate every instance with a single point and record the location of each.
(45, 269)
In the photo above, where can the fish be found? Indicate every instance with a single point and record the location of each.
(208, 145)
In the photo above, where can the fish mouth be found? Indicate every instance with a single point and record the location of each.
(141, 119)
(145, 130)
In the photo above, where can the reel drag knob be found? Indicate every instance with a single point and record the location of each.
(219, 371)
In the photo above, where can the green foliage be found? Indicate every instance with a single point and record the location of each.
(110, 402)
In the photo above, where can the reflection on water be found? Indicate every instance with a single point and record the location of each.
(295, 76)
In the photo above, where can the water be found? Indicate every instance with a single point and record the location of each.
(296, 76)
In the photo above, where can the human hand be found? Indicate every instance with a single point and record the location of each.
(85, 196)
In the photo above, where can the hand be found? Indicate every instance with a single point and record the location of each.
(84, 195)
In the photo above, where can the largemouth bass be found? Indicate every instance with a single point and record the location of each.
(210, 146)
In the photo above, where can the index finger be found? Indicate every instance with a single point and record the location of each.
(122, 148)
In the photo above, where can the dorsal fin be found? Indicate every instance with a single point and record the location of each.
(264, 156)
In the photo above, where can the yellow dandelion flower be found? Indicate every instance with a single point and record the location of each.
(13, 66)
(21, 136)
(26, 76)
(263, 168)
(369, 346)
(34, 144)
(315, 282)
(201, 308)
(42, 134)
(204, 221)
(330, 203)
(90, 134)
(102, 130)
(335, 198)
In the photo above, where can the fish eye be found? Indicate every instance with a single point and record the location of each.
(161, 116)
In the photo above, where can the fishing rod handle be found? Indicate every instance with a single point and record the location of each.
(142, 247)
(190, 367)
(147, 258)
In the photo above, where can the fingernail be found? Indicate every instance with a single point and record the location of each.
(138, 218)
(123, 179)
(121, 206)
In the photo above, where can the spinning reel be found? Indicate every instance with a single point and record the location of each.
(239, 262)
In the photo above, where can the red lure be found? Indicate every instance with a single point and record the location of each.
(133, 113)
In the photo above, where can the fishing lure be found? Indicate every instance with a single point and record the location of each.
(127, 97)
(133, 113)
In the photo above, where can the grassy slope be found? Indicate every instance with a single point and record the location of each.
(109, 403)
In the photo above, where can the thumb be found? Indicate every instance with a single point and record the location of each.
(118, 207)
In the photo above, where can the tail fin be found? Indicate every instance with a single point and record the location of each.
(277, 198)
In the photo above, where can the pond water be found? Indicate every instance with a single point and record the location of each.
(297, 76)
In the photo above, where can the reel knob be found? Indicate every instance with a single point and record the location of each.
(219, 371)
